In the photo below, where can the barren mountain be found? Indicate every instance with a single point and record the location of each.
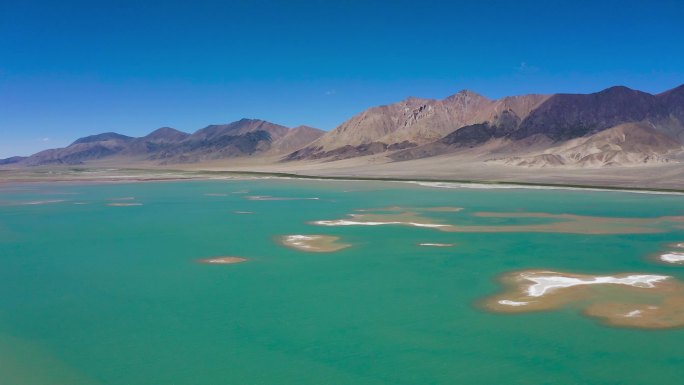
(568, 116)
(406, 124)
(624, 144)
(166, 145)
(245, 137)
(418, 128)
(87, 148)
(616, 126)
(295, 139)
(157, 140)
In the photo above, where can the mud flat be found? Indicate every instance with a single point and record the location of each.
(31, 203)
(222, 260)
(313, 243)
(626, 300)
(270, 198)
(444, 209)
(124, 204)
(438, 209)
(671, 257)
(558, 223)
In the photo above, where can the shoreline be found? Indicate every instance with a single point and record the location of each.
(175, 175)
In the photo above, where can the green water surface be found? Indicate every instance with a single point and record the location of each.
(95, 294)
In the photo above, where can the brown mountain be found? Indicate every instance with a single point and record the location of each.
(166, 145)
(616, 126)
(295, 139)
(242, 138)
(87, 148)
(624, 144)
(406, 124)
(526, 124)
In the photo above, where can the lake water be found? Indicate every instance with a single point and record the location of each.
(95, 293)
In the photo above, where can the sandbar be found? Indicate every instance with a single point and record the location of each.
(36, 203)
(123, 204)
(122, 199)
(222, 260)
(557, 223)
(674, 257)
(635, 300)
(270, 198)
(313, 243)
(444, 209)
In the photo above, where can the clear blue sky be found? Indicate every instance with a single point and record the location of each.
(73, 68)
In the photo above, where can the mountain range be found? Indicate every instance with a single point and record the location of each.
(614, 127)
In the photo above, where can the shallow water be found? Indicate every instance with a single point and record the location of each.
(97, 294)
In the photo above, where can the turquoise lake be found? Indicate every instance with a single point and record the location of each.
(98, 294)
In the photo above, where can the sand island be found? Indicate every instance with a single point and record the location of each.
(551, 223)
(222, 260)
(647, 301)
(313, 243)
(671, 257)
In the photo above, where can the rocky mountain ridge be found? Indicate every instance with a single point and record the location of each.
(246, 137)
(613, 127)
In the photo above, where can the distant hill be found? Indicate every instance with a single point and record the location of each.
(247, 137)
(614, 127)
(419, 128)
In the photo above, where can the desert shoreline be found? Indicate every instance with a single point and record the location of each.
(147, 175)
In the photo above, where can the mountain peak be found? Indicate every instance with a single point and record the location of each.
(673, 91)
(414, 100)
(619, 90)
(468, 92)
(304, 127)
(101, 138)
(166, 134)
(466, 95)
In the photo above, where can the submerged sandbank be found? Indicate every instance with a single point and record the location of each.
(443, 209)
(31, 203)
(313, 243)
(557, 223)
(670, 257)
(124, 204)
(270, 198)
(629, 300)
(222, 260)
(674, 257)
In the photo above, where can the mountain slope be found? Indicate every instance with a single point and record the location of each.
(624, 144)
(86, 148)
(568, 116)
(616, 126)
(417, 128)
(295, 139)
(166, 145)
(245, 137)
(405, 124)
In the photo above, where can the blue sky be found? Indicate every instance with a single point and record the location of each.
(73, 68)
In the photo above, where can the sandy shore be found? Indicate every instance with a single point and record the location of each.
(446, 169)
